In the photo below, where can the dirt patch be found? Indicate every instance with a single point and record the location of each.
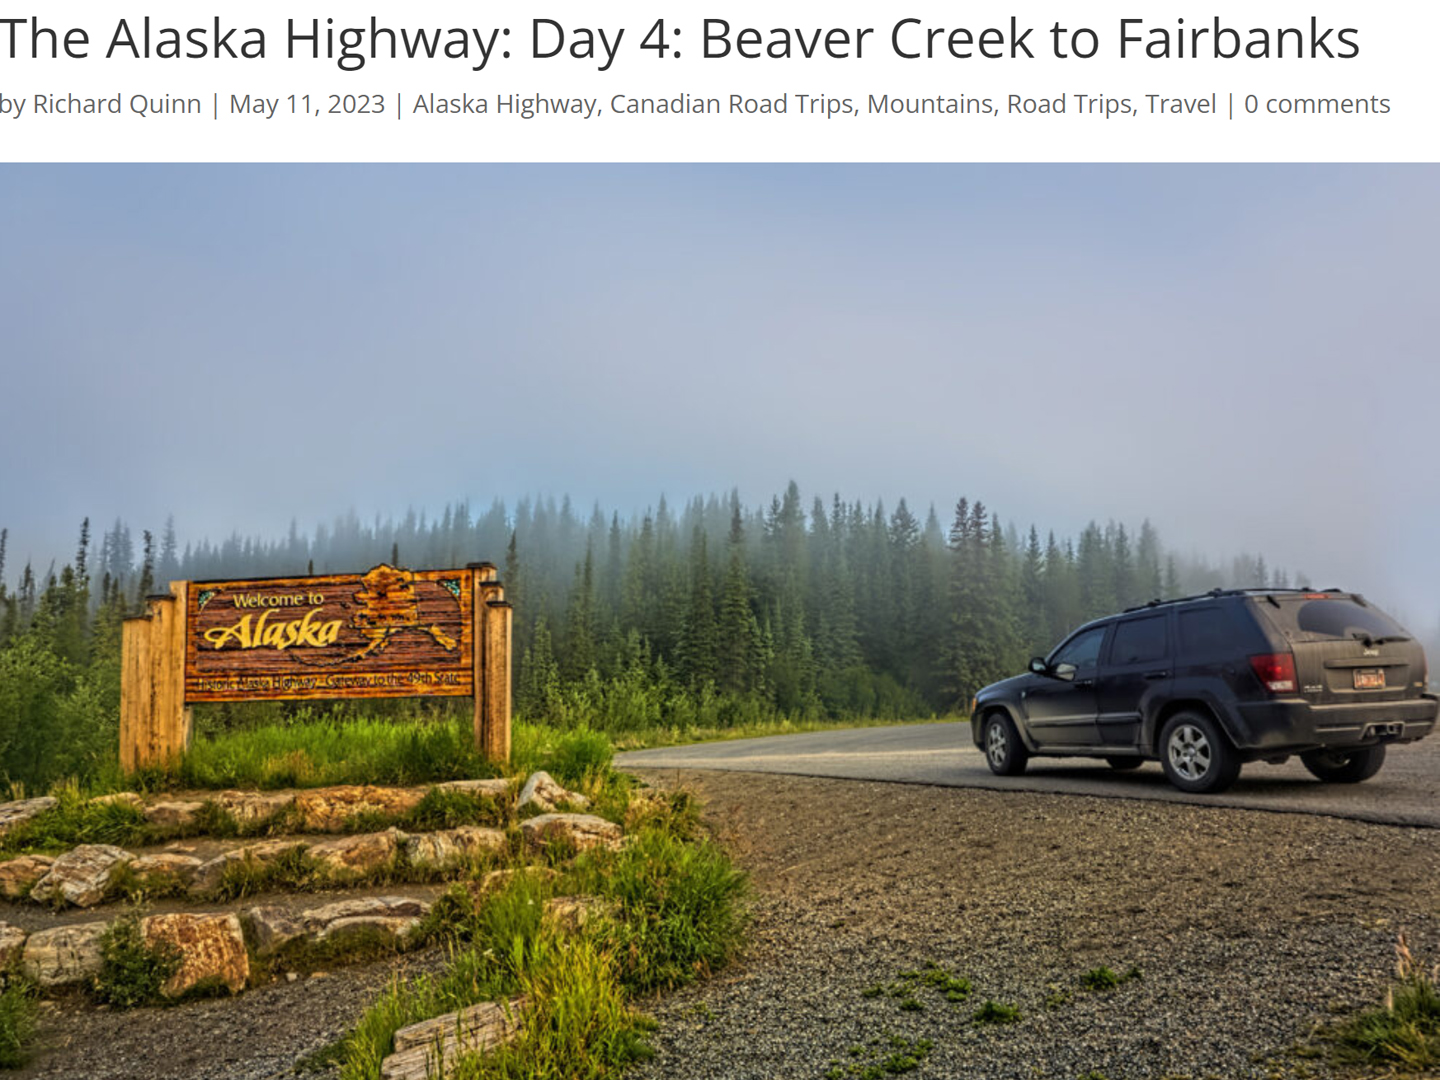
(1246, 928)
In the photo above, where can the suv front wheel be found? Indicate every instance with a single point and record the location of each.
(1196, 756)
(1004, 752)
(1338, 767)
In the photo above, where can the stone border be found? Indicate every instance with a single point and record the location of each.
(90, 873)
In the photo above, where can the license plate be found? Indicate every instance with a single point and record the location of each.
(1369, 679)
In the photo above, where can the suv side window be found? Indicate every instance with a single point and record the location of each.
(1082, 651)
(1140, 640)
(1206, 632)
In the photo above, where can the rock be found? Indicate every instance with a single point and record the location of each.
(119, 798)
(329, 809)
(165, 866)
(573, 912)
(12, 944)
(542, 792)
(408, 907)
(18, 875)
(81, 876)
(209, 874)
(253, 807)
(497, 789)
(22, 810)
(582, 831)
(451, 846)
(64, 955)
(273, 927)
(393, 926)
(358, 854)
(178, 814)
(211, 948)
(426, 1049)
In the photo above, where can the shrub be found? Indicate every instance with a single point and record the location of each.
(995, 1012)
(132, 972)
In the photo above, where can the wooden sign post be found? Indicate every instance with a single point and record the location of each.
(386, 633)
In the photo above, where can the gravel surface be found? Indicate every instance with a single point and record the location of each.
(1248, 929)
(258, 1035)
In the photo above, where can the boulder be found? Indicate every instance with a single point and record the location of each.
(394, 926)
(426, 1049)
(211, 950)
(273, 927)
(165, 866)
(253, 807)
(450, 846)
(81, 876)
(173, 815)
(542, 792)
(581, 831)
(497, 789)
(329, 809)
(12, 944)
(64, 955)
(18, 875)
(22, 810)
(571, 913)
(351, 855)
(208, 875)
(407, 907)
(119, 798)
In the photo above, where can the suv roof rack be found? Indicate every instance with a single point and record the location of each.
(1215, 593)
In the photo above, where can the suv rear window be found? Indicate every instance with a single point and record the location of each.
(1330, 619)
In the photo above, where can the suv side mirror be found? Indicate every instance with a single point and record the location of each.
(1038, 665)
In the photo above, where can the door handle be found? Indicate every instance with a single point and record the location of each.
(1084, 682)
(1157, 674)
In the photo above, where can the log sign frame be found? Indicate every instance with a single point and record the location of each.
(389, 632)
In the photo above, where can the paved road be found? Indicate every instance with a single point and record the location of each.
(1406, 791)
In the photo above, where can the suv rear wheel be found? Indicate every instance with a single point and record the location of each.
(1196, 756)
(1004, 752)
(1344, 767)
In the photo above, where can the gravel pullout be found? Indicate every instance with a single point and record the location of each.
(1247, 929)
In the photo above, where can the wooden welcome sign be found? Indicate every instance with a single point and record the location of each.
(389, 632)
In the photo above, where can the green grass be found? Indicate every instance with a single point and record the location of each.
(73, 821)
(677, 914)
(882, 1056)
(1402, 1034)
(18, 1010)
(680, 907)
(995, 1012)
(1102, 979)
(909, 984)
(323, 752)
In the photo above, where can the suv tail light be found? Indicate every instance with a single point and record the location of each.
(1276, 671)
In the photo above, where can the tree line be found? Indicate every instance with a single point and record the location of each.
(713, 614)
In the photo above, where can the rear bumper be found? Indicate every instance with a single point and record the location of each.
(1297, 725)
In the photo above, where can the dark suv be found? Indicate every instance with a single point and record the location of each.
(1209, 682)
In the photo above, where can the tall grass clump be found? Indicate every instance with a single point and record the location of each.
(1404, 1032)
(681, 907)
(18, 1010)
(74, 820)
(316, 752)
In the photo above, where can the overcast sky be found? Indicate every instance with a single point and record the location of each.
(1245, 355)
